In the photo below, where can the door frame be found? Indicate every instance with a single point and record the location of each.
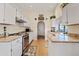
(38, 28)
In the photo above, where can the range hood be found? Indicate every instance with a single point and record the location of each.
(19, 20)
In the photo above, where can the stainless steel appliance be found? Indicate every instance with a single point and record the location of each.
(25, 41)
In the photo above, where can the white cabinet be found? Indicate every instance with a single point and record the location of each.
(73, 14)
(17, 47)
(10, 14)
(63, 49)
(1, 12)
(12, 48)
(5, 48)
(70, 14)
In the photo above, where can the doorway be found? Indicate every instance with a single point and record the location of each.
(41, 30)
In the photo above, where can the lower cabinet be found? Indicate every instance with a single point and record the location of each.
(5, 48)
(17, 47)
(12, 48)
(63, 49)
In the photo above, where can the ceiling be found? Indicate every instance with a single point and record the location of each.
(35, 8)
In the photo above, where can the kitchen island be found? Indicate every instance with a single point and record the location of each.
(60, 44)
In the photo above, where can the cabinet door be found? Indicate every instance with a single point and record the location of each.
(14, 48)
(73, 14)
(17, 47)
(1, 12)
(15, 51)
(10, 14)
(20, 45)
(5, 48)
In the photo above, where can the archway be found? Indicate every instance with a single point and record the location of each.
(41, 30)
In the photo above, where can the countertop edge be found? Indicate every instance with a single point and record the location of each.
(64, 41)
(10, 40)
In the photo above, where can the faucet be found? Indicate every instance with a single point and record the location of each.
(4, 31)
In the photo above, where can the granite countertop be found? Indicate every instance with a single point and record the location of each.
(8, 38)
(62, 38)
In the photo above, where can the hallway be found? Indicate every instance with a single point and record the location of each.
(42, 49)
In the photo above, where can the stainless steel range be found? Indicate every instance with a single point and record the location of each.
(25, 41)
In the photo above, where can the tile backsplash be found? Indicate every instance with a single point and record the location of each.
(11, 29)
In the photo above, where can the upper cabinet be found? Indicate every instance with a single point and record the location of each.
(10, 14)
(1, 12)
(72, 13)
(7, 14)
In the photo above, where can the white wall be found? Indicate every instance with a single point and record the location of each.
(33, 25)
(31, 15)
